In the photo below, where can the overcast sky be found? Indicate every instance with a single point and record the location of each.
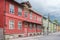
(47, 6)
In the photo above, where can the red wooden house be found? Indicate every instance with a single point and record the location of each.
(18, 19)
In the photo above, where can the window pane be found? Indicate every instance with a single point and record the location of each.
(19, 25)
(37, 18)
(11, 24)
(34, 25)
(34, 17)
(26, 14)
(31, 15)
(11, 8)
(19, 11)
(30, 26)
(40, 19)
(38, 26)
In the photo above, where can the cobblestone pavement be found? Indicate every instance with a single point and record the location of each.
(53, 36)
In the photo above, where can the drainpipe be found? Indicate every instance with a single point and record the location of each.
(4, 19)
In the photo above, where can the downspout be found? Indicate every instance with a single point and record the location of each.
(4, 19)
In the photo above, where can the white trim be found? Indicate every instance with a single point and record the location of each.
(11, 6)
(12, 23)
(20, 25)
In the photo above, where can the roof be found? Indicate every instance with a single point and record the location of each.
(16, 3)
(44, 17)
(35, 12)
(27, 3)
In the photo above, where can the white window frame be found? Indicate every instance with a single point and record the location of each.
(31, 26)
(11, 8)
(11, 24)
(34, 17)
(34, 25)
(31, 15)
(38, 19)
(19, 25)
(19, 11)
(25, 14)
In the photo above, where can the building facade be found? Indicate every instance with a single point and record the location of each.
(18, 19)
(58, 28)
(51, 27)
(45, 25)
(54, 27)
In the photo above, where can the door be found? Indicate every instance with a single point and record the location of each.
(26, 29)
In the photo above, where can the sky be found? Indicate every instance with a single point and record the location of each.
(47, 6)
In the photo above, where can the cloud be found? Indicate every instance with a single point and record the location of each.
(47, 6)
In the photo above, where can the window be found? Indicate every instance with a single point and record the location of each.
(11, 9)
(40, 19)
(31, 15)
(34, 17)
(11, 24)
(37, 18)
(25, 14)
(30, 26)
(19, 11)
(19, 25)
(34, 25)
(38, 26)
(26, 24)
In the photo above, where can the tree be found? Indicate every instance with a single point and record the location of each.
(56, 21)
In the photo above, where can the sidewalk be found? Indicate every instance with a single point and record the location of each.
(33, 37)
(26, 38)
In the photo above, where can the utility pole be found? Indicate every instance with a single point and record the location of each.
(48, 24)
(56, 23)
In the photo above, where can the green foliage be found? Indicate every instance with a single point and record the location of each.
(56, 21)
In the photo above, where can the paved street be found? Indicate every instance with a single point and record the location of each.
(53, 36)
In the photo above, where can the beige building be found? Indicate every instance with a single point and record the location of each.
(58, 28)
(45, 24)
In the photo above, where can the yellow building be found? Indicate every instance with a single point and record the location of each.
(58, 28)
